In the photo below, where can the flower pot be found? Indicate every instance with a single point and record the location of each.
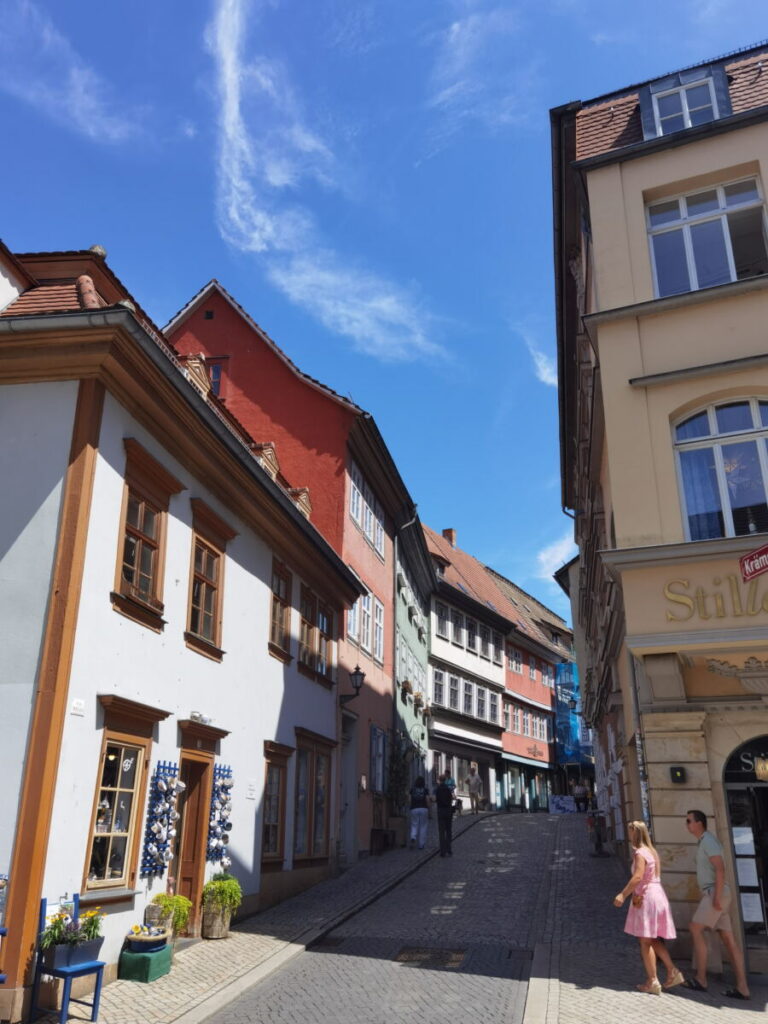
(147, 943)
(215, 922)
(67, 955)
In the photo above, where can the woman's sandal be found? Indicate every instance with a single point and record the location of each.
(676, 978)
(694, 985)
(733, 993)
(651, 987)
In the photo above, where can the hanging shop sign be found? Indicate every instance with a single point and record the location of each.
(754, 564)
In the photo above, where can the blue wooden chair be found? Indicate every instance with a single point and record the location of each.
(67, 974)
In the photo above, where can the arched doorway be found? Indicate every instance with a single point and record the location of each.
(746, 792)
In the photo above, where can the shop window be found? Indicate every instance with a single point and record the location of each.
(312, 806)
(121, 784)
(280, 624)
(148, 490)
(206, 592)
(276, 756)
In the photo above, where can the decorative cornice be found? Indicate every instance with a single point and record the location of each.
(753, 676)
(648, 643)
(113, 704)
(619, 560)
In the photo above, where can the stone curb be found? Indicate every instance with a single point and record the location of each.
(301, 942)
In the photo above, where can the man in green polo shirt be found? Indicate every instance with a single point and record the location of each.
(712, 911)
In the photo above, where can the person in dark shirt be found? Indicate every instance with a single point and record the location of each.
(419, 812)
(444, 803)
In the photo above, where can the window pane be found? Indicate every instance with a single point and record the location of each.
(146, 559)
(98, 865)
(702, 498)
(702, 202)
(698, 96)
(122, 812)
(763, 413)
(672, 124)
(748, 242)
(150, 522)
(116, 865)
(734, 416)
(128, 768)
(321, 795)
(746, 490)
(111, 768)
(709, 254)
(670, 104)
(741, 192)
(302, 781)
(664, 213)
(671, 265)
(701, 116)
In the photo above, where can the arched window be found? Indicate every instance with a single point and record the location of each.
(723, 469)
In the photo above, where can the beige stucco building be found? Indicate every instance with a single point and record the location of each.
(662, 303)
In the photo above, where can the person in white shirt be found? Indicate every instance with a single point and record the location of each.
(474, 785)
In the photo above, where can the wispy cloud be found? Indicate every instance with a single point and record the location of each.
(259, 211)
(41, 67)
(544, 366)
(476, 77)
(550, 558)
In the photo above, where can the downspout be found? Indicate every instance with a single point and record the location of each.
(640, 747)
(395, 551)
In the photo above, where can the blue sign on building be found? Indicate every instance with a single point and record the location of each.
(574, 739)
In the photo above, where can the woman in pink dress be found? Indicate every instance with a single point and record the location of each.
(649, 917)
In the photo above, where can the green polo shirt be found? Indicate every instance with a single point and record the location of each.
(705, 869)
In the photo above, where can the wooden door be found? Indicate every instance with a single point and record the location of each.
(192, 832)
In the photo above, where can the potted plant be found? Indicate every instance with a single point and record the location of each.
(418, 700)
(173, 912)
(68, 941)
(221, 897)
(406, 687)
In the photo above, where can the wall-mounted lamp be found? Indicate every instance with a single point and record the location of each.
(356, 680)
(572, 703)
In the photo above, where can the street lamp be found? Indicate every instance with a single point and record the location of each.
(356, 679)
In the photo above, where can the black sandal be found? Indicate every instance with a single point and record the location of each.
(733, 993)
(695, 986)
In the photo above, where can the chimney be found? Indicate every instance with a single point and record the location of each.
(450, 536)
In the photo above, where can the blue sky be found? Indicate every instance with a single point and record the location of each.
(369, 178)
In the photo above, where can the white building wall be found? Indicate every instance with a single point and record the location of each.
(466, 661)
(11, 285)
(36, 430)
(249, 693)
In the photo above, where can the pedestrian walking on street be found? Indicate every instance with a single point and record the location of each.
(419, 812)
(444, 802)
(649, 917)
(474, 786)
(580, 795)
(712, 911)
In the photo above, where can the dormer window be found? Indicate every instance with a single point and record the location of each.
(684, 100)
(684, 107)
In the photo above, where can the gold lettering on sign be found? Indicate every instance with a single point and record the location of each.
(726, 598)
(676, 598)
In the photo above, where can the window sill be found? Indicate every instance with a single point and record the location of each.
(102, 896)
(314, 675)
(204, 647)
(279, 653)
(138, 611)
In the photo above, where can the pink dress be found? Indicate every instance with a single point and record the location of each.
(654, 919)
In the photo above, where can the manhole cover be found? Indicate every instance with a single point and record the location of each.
(420, 956)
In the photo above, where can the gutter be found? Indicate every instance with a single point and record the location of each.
(161, 355)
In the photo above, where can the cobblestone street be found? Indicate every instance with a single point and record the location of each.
(518, 926)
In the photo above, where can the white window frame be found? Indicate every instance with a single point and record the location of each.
(507, 716)
(531, 667)
(684, 224)
(468, 690)
(682, 90)
(526, 722)
(365, 621)
(356, 494)
(378, 529)
(481, 703)
(716, 440)
(442, 616)
(498, 649)
(485, 641)
(516, 718)
(457, 628)
(454, 687)
(493, 707)
(516, 660)
(353, 621)
(470, 627)
(438, 681)
(378, 630)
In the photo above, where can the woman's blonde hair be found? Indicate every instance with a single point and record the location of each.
(640, 836)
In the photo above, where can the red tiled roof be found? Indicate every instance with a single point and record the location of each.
(464, 572)
(608, 125)
(45, 298)
(749, 82)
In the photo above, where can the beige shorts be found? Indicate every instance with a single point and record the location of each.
(717, 920)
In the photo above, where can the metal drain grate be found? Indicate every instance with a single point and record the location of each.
(422, 956)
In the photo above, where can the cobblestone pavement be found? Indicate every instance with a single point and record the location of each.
(456, 934)
(206, 970)
(521, 896)
(593, 967)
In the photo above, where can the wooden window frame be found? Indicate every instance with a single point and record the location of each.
(127, 723)
(281, 649)
(146, 480)
(314, 745)
(308, 632)
(276, 755)
(212, 534)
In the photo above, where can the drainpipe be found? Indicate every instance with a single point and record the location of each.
(395, 550)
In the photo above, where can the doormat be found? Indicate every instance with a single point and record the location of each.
(431, 959)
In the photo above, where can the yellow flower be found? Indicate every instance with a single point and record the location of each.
(136, 929)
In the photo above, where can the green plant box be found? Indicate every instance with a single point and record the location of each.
(144, 967)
